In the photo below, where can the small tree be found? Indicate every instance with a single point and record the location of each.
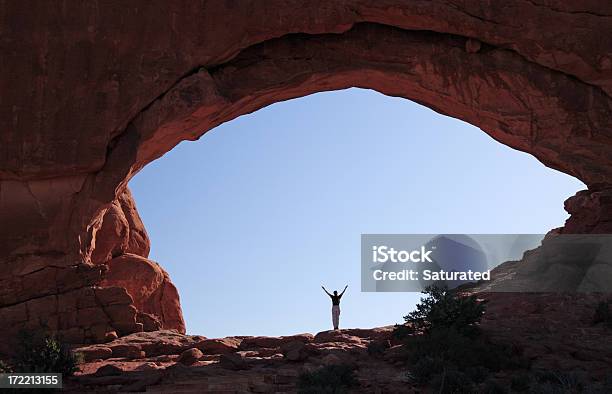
(445, 347)
(44, 353)
(4, 367)
(443, 308)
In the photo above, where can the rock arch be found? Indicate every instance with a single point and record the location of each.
(97, 93)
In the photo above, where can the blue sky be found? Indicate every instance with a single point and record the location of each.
(250, 220)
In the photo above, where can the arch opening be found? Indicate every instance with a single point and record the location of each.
(266, 206)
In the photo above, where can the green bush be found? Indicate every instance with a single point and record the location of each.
(4, 367)
(443, 309)
(332, 379)
(453, 348)
(447, 352)
(425, 368)
(401, 331)
(43, 353)
(445, 348)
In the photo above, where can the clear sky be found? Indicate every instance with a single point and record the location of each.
(250, 220)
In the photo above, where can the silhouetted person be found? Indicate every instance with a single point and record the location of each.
(335, 305)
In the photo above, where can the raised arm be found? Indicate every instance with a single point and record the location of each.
(345, 287)
(326, 291)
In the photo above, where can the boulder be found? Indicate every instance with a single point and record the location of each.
(190, 356)
(219, 345)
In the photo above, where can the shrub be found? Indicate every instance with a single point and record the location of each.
(466, 352)
(443, 308)
(444, 346)
(4, 367)
(426, 367)
(44, 353)
(332, 379)
(603, 314)
(401, 331)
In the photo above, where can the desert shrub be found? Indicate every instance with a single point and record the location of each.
(43, 353)
(425, 368)
(446, 351)
(4, 367)
(603, 314)
(401, 331)
(332, 379)
(463, 352)
(445, 348)
(444, 309)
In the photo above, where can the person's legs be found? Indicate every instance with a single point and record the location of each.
(336, 316)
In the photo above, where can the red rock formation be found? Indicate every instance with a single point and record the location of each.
(591, 212)
(122, 245)
(92, 93)
(121, 231)
(149, 286)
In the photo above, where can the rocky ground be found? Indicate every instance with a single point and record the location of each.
(555, 332)
(164, 361)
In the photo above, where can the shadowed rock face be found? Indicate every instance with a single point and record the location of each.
(92, 93)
